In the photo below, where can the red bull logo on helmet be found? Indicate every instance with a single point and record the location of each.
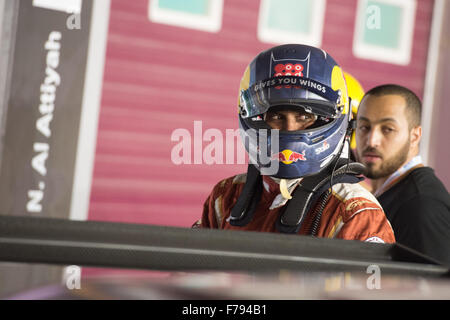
(288, 156)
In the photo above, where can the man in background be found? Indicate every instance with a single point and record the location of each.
(415, 201)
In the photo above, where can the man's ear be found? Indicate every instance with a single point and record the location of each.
(415, 136)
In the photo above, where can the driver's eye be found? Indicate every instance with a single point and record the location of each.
(304, 117)
(274, 116)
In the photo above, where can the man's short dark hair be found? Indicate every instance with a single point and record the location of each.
(413, 103)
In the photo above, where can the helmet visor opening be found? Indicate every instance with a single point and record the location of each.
(311, 95)
(294, 118)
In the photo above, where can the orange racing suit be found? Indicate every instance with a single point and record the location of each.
(351, 211)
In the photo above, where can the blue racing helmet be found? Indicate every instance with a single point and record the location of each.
(299, 77)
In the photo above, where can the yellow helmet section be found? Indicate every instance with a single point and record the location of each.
(338, 83)
(356, 93)
(245, 83)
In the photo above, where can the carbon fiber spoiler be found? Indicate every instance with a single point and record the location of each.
(123, 245)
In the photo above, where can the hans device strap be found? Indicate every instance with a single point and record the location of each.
(242, 212)
(303, 197)
(311, 188)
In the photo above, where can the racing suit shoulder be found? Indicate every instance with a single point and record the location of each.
(359, 216)
(223, 195)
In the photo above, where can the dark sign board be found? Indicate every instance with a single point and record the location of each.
(44, 108)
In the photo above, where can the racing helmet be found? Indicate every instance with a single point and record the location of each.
(355, 93)
(298, 77)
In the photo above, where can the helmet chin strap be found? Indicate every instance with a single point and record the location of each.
(286, 186)
(284, 190)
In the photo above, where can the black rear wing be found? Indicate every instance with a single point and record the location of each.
(134, 246)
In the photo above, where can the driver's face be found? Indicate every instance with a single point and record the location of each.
(289, 120)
